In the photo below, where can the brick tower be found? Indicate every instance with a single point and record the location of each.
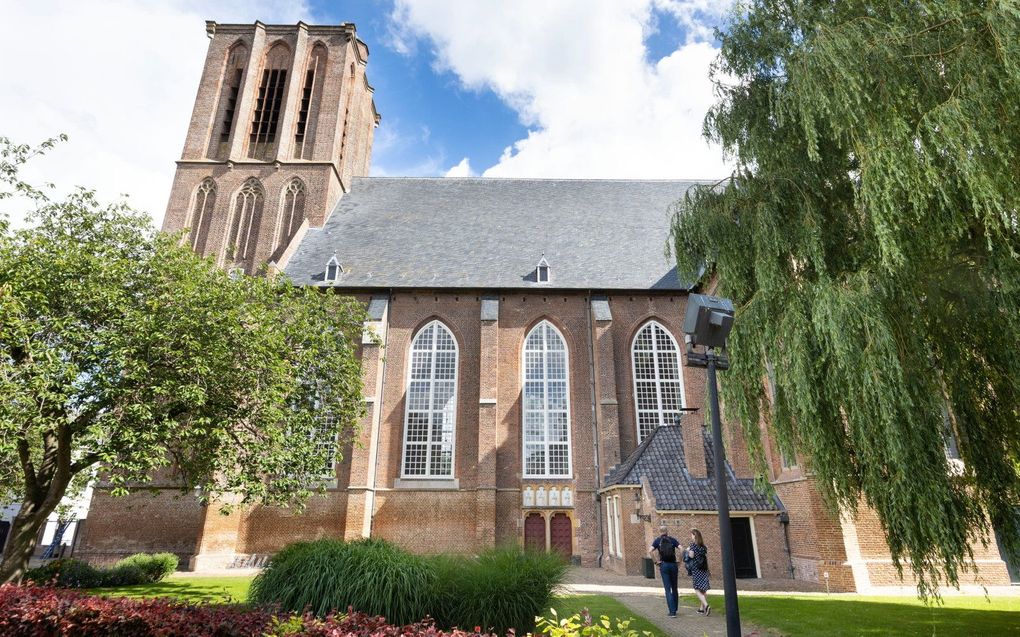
(283, 120)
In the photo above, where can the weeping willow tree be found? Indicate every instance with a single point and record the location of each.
(870, 238)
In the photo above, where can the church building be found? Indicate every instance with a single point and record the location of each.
(529, 374)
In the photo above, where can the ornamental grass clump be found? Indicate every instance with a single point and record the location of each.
(498, 590)
(495, 591)
(370, 575)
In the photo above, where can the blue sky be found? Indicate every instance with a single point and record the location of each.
(529, 88)
(429, 120)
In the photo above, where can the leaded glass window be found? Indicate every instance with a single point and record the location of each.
(658, 381)
(546, 404)
(431, 399)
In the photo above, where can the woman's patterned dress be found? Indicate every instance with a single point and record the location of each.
(699, 578)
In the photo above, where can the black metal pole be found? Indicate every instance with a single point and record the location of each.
(722, 500)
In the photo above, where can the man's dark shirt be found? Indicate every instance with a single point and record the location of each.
(668, 538)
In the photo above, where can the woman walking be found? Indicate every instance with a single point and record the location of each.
(696, 560)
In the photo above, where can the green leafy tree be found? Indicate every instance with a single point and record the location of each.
(120, 349)
(869, 237)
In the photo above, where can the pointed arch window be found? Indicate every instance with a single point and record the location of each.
(292, 212)
(269, 102)
(546, 404)
(431, 413)
(201, 214)
(311, 92)
(244, 227)
(658, 380)
(233, 74)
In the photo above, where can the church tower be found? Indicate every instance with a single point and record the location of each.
(283, 120)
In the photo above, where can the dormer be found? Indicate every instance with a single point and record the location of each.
(542, 271)
(333, 269)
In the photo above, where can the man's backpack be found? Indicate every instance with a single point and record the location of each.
(667, 552)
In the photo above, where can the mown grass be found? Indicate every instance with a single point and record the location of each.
(599, 605)
(189, 588)
(857, 615)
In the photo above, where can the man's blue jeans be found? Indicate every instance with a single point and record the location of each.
(669, 573)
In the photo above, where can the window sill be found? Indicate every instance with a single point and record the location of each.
(426, 483)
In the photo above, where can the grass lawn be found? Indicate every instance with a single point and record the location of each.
(859, 615)
(600, 605)
(226, 590)
(216, 590)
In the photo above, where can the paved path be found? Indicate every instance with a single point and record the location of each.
(646, 598)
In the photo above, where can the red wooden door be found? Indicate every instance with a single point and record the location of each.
(534, 532)
(561, 535)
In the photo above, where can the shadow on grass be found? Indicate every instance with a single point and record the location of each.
(841, 616)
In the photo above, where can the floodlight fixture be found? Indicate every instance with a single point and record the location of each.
(708, 321)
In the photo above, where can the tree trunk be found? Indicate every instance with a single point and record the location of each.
(21, 543)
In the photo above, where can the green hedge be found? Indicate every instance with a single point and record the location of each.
(499, 589)
(140, 568)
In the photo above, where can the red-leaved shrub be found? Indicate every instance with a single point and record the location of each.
(35, 611)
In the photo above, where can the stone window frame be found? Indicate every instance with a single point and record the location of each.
(429, 442)
(294, 197)
(246, 212)
(617, 524)
(609, 525)
(204, 204)
(664, 416)
(545, 382)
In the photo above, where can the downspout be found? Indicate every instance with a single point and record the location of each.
(784, 519)
(380, 386)
(595, 427)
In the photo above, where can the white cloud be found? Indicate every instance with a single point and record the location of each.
(463, 169)
(577, 74)
(120, 79)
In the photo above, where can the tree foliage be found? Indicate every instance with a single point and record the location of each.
(870, 238)
(121, 348)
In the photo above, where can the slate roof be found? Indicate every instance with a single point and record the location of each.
(491, 233)
(661, 459)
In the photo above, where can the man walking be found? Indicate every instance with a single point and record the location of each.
(664, 554)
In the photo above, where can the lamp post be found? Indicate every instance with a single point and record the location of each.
(707, 324)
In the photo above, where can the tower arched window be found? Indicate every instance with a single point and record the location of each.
(230, 89)
(658, 379)
(431, 413)
(546, 404)
(244, 223)
(292, 212)
(308, 110)
(269, 102)
(201, 214)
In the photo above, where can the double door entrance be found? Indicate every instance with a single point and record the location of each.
(549, 531)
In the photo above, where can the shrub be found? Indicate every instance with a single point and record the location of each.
(67, 573)
(32, 611)
(153, 568)
(370, 575)
(140, 568)
(500, 589)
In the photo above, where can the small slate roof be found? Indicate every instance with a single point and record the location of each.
(491, 233)
(660, 458)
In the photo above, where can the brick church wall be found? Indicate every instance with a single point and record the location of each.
(168, 521)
